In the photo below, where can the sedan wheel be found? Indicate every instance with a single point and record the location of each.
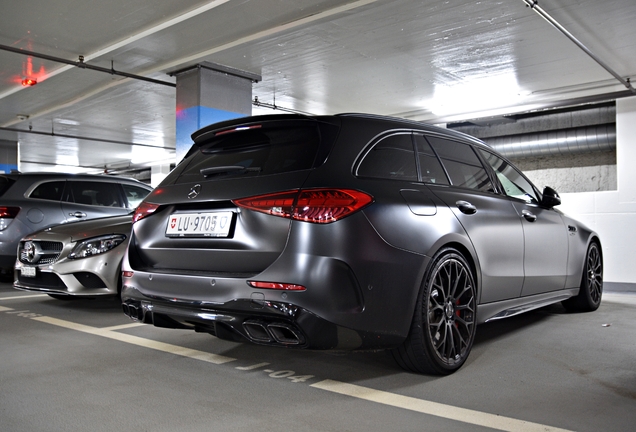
(444, 322)
(589, 297)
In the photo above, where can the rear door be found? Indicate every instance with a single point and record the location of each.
(488, 217)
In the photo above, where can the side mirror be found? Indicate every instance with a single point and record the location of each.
(550, 197)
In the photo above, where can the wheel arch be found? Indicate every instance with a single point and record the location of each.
(465, 248)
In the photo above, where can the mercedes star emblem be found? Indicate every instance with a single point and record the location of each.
(195, 191)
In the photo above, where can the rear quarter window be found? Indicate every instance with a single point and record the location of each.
(392, 157)
(51, 191)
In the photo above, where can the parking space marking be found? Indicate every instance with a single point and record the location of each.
(124, 326)
(423, 406)
(135, 340)
(23, 297)
(451, 412)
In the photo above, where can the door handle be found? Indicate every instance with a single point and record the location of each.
(466, 207)
(78, 214)
(529, 216)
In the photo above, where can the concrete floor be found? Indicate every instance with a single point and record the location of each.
(83, 366)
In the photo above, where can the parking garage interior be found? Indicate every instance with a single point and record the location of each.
(116, 89)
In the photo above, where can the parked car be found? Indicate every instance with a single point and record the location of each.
(81, 259)
(33, 201)
(352, 232)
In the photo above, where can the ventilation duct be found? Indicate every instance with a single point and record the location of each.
(589, 139)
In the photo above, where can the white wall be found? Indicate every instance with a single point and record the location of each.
(612, 214)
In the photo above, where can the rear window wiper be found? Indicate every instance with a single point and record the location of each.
(229, 169)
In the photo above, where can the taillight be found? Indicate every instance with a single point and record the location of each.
(7, 214)
(276, 286)
(309, 205)
(144, 209)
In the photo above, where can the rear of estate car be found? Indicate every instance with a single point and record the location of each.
(351, 232)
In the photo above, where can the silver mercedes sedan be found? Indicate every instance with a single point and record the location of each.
(72, 260)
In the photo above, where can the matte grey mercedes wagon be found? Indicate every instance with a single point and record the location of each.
(352, 232)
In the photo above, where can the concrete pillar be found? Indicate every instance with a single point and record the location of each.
(8, 156)
(158, 173)
(208, 93)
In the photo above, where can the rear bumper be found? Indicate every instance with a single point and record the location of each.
(255, 320)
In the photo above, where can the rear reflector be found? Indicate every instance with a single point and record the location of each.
(276, 286)
(144, 209)
(308, 205)
(127, 274)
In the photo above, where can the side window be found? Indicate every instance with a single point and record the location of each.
(462, 164)
(134, 194)
(391, 158)
(49, 191)
(514, 184)
(95, 193)
(432, 171)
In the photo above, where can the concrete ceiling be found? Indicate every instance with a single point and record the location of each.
(437, 61)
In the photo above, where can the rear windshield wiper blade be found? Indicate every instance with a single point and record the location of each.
(229, 169)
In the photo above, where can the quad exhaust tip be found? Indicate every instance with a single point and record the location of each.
(280, 333)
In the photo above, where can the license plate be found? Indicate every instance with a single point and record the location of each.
(210, 224)
(27, 271)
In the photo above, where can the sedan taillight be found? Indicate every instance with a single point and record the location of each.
(308, 205)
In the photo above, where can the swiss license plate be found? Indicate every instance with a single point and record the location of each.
(27, 271)
(208, 224)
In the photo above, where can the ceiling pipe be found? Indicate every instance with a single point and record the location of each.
(534, 5)
(82, 138)
(589, 139)
(80, 64)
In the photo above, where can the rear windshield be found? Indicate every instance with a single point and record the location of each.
(265, 149)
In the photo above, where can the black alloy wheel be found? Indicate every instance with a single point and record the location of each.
(591, 292)
(443, 327)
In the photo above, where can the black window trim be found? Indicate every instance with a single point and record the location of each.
(500, 186)
(486, 166)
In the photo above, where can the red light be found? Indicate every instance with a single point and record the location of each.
(144, 209)
(310, 205)
(237, 129)
(276, 286)
(277, 204)
(28, 82)
(9, 212)
(127, 274)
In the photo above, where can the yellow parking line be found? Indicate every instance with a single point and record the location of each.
(433, 408)
(23, 297)
(134, 340)
(124, 326)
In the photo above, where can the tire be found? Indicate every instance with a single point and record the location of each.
(591, 292)
(445, 318)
